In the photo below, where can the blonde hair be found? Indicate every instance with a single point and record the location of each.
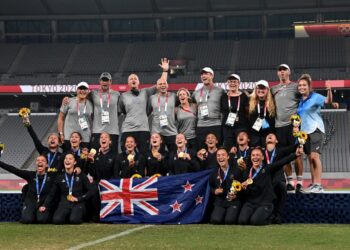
(307, 78)
(186, 91)
(253, 102)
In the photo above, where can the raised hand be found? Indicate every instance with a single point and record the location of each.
(164, 64)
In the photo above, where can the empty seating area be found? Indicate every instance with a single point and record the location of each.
(62, 63)
(19, 148)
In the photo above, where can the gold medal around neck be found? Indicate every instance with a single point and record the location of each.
(249, 181)
(69, 197)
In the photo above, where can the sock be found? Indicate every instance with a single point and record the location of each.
(300, 179)
(290, 180)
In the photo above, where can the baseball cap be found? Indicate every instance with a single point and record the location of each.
(207, 70)
(263, 83)
(83, 84)
(283, 65)
(106, 75)
(234, 76)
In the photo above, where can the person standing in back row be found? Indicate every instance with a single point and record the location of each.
(287, 98)
(133, 105)
(208, 106)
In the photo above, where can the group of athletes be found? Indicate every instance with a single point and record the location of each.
(244, 138)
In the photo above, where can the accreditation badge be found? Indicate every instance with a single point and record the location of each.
(232, 117)
(204, 111)
(163, 121)
(83, 123)
(105, 117)
(258, 124)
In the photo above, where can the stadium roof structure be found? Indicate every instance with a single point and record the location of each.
(24, 9)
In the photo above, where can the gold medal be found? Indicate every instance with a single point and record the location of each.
(130, 157)
(69, 197)
(249, 181)
(181, 155)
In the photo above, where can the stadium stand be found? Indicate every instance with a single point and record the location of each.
(19, 148)
(8, 54)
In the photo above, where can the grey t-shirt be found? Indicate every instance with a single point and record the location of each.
(186, 121)
(135, 107)
(71, 122)
(286, 99)
(211, 99)
(113, 126)
(159, 109)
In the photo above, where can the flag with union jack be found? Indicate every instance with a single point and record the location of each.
(179, 199)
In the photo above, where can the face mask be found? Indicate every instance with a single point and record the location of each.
(135, 91)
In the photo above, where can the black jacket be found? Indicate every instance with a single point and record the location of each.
(122, 168)
(181, 166)
(154, 166)
(103, 166)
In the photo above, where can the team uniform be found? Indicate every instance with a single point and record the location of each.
(186, 124)
(53, 158)
(78, 118)
(209, 162)
(122, 168)
(163, 122)
(181, 166)
(309, 111)
(39, 187)
(105, 117)
(234, 114)
(209, 114)
(259, 195)
(225, 212)
(70, 184)
(153, 166)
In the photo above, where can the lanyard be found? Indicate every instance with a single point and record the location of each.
(245, 153)
(69, 184)
(265, 107)
(219, 175)
(166, 102)
(78, 108)
(302, 102)
(108, 99)
(39, 189)
(238, 103)
(268, 160)
(50, 161)
(256, 172)
(207, 95)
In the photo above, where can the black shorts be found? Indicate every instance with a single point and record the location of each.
(285, 136)
(314, 142)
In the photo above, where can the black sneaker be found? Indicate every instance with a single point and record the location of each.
(290, 187)
(299, 188)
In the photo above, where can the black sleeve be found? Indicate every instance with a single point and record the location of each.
(38, 145)
(87, 187)
(141, 167)
(25, 174)
(149, 106)
(285, 151)
(117, 167)
(121, 105)
(53, 192)
(280, 163)
(170, 164)
(212, 183)
(195, 166)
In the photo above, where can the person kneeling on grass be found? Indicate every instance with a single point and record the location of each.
(74, 189)
(39, 185)
(227, 204)
(258, 189)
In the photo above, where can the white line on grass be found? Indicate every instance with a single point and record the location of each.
(111, 237)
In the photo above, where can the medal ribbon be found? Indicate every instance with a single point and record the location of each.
(69, 184)
(256, 172)
(50, 161)
(245, 153)
(268, 160)
(39, 189)
(78, 108)
(219, 175)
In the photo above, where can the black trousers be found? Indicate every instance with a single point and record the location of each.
(202, 132)
(252, 214)
(142, 140)
(30, 214)
(95, 142)
(69, 212)
(225, 215)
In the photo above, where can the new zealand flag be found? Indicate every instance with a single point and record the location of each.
(179, 199)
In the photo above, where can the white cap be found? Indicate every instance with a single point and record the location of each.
(234, 76)
(208, 70)
(83, 84)
(283, 65)
(106, 75)
(263, 83)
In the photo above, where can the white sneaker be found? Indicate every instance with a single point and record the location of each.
(316, 189)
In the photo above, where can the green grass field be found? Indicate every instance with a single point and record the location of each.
(297, 236)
